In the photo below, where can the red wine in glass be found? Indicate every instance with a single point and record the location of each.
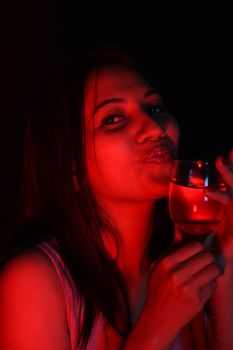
(195, 214)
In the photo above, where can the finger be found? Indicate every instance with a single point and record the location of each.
(196, 263)
(177, 235)
(183, 252)
(225, 198)
(226, 172)
(207, 291)
(206, 275)
(230, 156)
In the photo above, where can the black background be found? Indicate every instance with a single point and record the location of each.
(186, 44)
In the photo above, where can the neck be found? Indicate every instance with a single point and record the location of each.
(133, 223)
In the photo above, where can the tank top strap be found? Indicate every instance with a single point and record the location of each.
(72, 298)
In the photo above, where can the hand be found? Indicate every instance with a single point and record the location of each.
(180, 284)
(223, 236)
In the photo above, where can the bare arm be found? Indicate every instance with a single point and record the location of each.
(32, 305)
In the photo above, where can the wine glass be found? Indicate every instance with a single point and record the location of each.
(195, 214)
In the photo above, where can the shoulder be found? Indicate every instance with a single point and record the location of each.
(32, 303)
(31, 265)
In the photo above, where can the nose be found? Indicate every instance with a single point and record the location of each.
(150, 129)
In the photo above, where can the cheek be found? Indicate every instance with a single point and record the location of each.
(110, 158)
(105, 159)
(106, 172)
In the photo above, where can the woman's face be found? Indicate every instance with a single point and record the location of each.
(130, 139)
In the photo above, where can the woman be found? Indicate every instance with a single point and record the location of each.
(102, 271)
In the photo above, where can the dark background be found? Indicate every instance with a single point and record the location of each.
(187, 45)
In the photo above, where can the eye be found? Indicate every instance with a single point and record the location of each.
(155, 110)
(115, 120)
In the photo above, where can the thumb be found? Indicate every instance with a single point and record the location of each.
(178, 237)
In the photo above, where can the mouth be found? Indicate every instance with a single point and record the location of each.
(161, 154)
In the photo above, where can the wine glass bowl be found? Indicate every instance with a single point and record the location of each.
(191, 210)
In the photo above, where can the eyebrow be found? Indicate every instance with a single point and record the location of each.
(120, 99)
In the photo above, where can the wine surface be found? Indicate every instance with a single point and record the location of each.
(192, 211)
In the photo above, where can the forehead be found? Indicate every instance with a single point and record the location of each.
(114, 81)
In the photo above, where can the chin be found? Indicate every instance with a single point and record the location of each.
(159, 191)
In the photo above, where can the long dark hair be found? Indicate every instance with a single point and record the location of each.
(50, 207)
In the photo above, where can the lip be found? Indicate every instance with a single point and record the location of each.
(160, 154)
